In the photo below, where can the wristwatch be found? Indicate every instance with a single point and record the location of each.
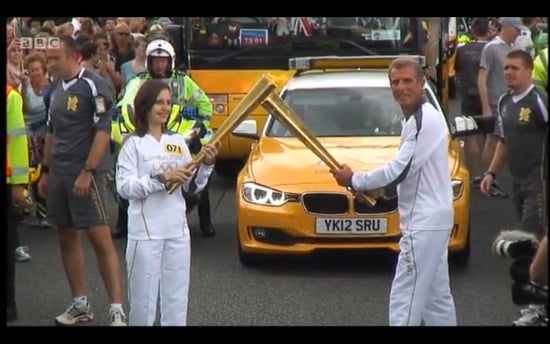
(492, 174)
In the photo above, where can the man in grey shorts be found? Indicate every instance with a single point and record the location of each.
(67, 209)
(522, 126)
(76, 157)
(491, 83)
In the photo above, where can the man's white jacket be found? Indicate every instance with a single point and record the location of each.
(421, 172)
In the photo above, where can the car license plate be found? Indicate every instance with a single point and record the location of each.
(351, 226)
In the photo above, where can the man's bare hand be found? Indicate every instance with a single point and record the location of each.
(485, 184)
(343, 175)
(82, 184)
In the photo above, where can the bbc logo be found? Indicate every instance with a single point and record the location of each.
(39, 42)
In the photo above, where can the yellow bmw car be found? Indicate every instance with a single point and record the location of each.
(287, 200)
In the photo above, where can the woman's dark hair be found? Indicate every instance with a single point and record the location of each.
(88, 49)
(81, 39)
(145, 98)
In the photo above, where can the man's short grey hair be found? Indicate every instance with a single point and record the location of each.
(405, 62)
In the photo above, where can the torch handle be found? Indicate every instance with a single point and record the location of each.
(196, 162)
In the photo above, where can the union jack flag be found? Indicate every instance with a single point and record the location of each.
(302, 26)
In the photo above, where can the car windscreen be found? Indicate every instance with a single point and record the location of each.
(340, 112)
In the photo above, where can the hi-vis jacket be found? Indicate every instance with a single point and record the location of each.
(540, 71)
(190, 107)
(462, 40)
(153, 213)
(17, 151)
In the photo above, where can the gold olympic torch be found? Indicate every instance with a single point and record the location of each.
(262, 93)
(276, 106)
(249, 103)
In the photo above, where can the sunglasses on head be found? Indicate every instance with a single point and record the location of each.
(123, 33)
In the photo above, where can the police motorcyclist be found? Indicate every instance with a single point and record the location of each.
(190, 113)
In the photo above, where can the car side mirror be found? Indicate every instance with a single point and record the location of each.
(247, 129)
(472, 125)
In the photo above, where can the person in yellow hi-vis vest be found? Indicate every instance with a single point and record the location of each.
(189, 115)
(540, 71)
(17, 178)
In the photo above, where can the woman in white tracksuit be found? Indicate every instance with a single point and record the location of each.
(158, 251)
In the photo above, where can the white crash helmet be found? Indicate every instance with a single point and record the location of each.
(160, 48)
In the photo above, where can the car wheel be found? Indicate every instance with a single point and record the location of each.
(462, 257)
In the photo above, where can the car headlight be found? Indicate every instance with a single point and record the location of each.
(262, 195)
(458, 188)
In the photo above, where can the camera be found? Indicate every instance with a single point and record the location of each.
(515, 244)
(521, 247)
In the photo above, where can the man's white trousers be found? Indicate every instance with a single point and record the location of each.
(421, 288)
(153, 266)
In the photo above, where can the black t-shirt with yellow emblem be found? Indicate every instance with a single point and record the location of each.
(523, 123)
(77, 110)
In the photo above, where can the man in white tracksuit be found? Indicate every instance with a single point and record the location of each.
(421, 287)
(158, 250)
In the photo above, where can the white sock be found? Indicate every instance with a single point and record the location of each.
(81, 300)
(117, 306)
